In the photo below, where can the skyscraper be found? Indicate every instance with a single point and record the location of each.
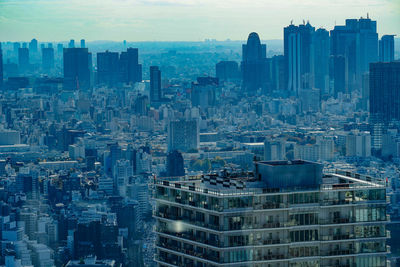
(321, 60)
(357, 41)
(384, 84)
(1, 67)
(71, 43)
(337, 74)
(299, 56)
(76, 68)
(386, 48)
(48, 58)
(155, 84)
(253, 65)
(227, 70)
(285, 214)
(83, 44)
(130, 69)
(33, 47)
(108, 68)
(23, 59)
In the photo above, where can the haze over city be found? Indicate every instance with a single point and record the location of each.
(180, 20)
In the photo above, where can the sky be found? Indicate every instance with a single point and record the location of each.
(181, 20)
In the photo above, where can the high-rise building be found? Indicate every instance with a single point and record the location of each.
(23, 59)
(337, 74)
(33, 46)
(357, 41)
(227, 70)
(286, 214)
(130, 69)
(299, 56)
(83, 44)
(1, 67)
(384, 98)
(76, 68)
(155, 84)
(386, 48)
(278, 73)
(321, 60)
(60, 49)
(48, 58)
(183, 135)
(71, 43)
(254, 65)
(175, 164)
(108, 68)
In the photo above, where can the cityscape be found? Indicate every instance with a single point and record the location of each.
(257, 152)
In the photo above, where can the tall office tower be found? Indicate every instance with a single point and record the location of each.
(76, 68)
(175, 164)
(50, 45)
(386, 48)
(33, 47)
(254, 64)
(299, 56)
(83, 43)
(227, 70)
(155, 84)
(183, 135)
(23, 59)
(278, 73)
(131, 70)
(60, 49)
(48, 59)
(321, 60)
(1, 67)
(24, 45)
(71, 43)
(384, 98)
(357, 41)
(108, 68)
(337, 74)
(286, 214)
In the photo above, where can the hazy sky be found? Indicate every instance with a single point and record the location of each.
(184, 20)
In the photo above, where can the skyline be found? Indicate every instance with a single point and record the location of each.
(167, 20)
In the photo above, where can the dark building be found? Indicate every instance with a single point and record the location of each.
(108, 68)
(278, 82)
(175, 164)
(227, 70)
(60, 49)
(357, 41)
(130, 69)
(203, 92)
(33, 47)
(83, 44)
(386, 48)
(385, 91)
(71, 43)
(321, 60)
(1, 68)
(142, 105)
(384, 100)
(155, 84)
(299, 57)
(254, 64)
(23, 59)
(337, 74)
(48, 58)
(77, 68)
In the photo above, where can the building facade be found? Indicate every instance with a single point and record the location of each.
(286, 214)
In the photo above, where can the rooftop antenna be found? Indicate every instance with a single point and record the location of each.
(304, 22)
(291, 22)
(367, 15)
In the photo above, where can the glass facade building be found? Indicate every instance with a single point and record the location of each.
(234, 219)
